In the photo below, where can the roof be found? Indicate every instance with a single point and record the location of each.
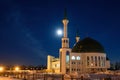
(88, 45)
(107, 59)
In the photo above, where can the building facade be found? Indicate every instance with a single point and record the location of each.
(86, 56)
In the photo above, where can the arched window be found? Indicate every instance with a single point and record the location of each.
(64, 41)
(67, 53)
(78, 57)
(67, 56)
(73, 57)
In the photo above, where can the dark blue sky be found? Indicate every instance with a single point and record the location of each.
(28, 27)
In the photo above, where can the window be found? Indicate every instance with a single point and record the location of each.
(99, 61)
(66, 41)
(73, 63)
(95, 60)
(88, 61)
(58, 65)
(78, 57)
(92, 61)
(55, 65)
(73, 57)
(67, 57)
(72, 69)
(102, 61)
(92, 58)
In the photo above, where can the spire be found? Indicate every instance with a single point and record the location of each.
(77, 33)
(77, 36)
(65, 39)
(65, 23)
(65, 13)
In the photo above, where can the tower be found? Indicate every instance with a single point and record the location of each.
(64, 50)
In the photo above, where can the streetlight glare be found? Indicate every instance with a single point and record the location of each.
(1, 69)
(17, 68)
(59, 32)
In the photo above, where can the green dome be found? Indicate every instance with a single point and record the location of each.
(88, 45)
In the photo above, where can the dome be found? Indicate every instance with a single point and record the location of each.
(88, 45)
(107, 59)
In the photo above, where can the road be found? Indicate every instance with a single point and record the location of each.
(6, 78)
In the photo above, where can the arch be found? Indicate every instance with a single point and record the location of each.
(73, 57)
(67, 53)
(64, 41)
(78, 58)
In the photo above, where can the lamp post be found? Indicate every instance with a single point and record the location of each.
(17, 69)
(1, 68)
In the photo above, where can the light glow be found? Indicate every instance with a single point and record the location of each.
(59, 32)
(78, 57)
(1, 69)
(73, 58)
(17, 68)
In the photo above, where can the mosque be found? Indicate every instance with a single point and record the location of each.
(86, 56)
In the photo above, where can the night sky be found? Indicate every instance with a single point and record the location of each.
(28, 28)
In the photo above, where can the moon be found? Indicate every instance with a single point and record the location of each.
(59, 32)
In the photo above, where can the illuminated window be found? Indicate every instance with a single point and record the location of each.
(58, 65)
(67, 57)
(73, 58)
(55, 65)
(78, 57)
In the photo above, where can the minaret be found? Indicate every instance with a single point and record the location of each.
(64, 50)
(65, 39)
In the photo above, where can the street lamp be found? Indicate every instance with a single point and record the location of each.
(17, 68)
(1, 68)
